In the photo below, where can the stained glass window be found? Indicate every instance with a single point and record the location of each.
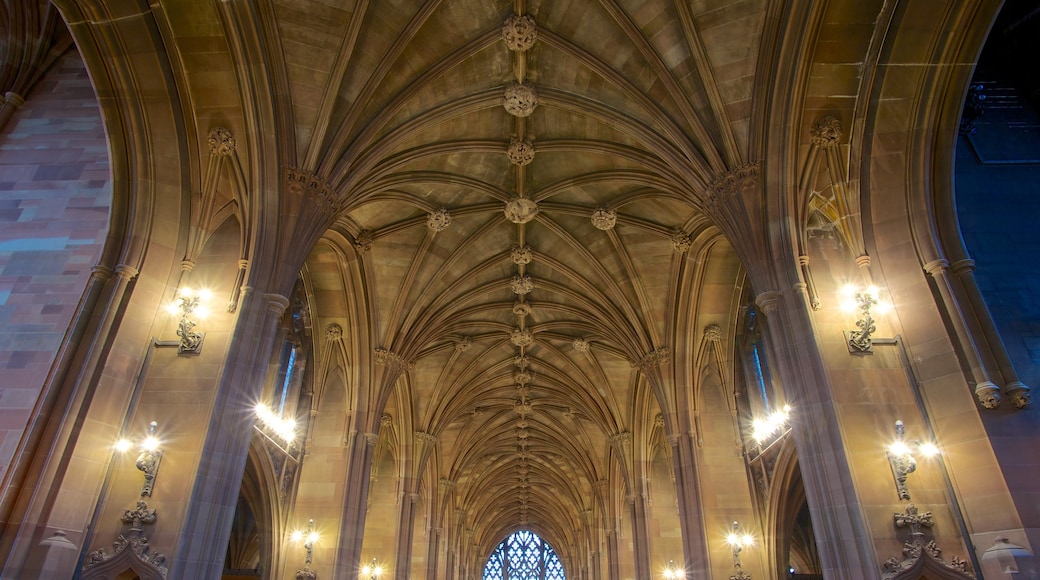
(524, 556)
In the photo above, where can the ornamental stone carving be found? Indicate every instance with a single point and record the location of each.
(731, 183)
(521, 309)
(521, 361)
(620, 438)
(520, 152)
(1018, 393)
(521, 256)
(520, 99)
(604, 219)
(392, 360)
(653, 359)
(522, 377)
(522, 408)
(333, 332)
(521, 337)
(521, 210)
(826, 132)
(439, 220)
(581, 345)
(521, 284)
(304, 183)
(681, 242)
(463, 344)
(363, 241)
(130, 546)
(917, 547)
(519, 32)
(713, 332)
(221, 142)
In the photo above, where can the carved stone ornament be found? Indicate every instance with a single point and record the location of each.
(713, 332)
(304, 183)
(463, 344)
(521, 256)
(520, 100)
(363, 241)
(521, 337)
(333, 332)
(521, 210)
(392, 360)
(130, 550)
(520, 152)
(221, 143)
(604, 219)
(519, 32)
(581, 345)
(731, 183)
(521, 309)
(920, 554)
(826, 132)
(521, 361)
(439, 220)
(522, 408)
(306, 573)
(653, 359)
(681, 242)
(521, 284)
(1018, 394)
(522, 377)
(988, 394)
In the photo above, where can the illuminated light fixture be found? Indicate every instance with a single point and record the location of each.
(902, 460)
(673, 571)
(189, 303)
(863, 301)
(309, 537)
(737, 541)
(372, 570)
(283, 428)
(763, 430)
(148, 458)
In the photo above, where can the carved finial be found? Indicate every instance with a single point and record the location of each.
(520, 99)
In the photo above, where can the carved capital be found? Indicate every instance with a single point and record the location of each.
(333, 332)
(653, 359)
(304, 183)
(392, 360)
(681, 242)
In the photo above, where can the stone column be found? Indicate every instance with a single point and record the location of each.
(206, 528)
(986, 391)
(1017, 392)
(843, 536)
(695, 552)
(613, 567)
(352, 527)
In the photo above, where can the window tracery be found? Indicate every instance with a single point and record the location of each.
(524, 556)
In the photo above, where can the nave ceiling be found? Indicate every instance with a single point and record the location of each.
(519, 224)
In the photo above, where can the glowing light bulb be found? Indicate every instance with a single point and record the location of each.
(123, 445)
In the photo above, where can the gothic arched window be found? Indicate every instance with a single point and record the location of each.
(524, 556)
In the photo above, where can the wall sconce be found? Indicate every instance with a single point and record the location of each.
(674, 572)
(373, 570)
(901, 459)
(189, 303)
(855, 299)
(737, 541)
(148, 459)
(309, 539)
(285, 429)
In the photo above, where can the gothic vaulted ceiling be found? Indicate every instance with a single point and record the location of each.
(523, 224)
